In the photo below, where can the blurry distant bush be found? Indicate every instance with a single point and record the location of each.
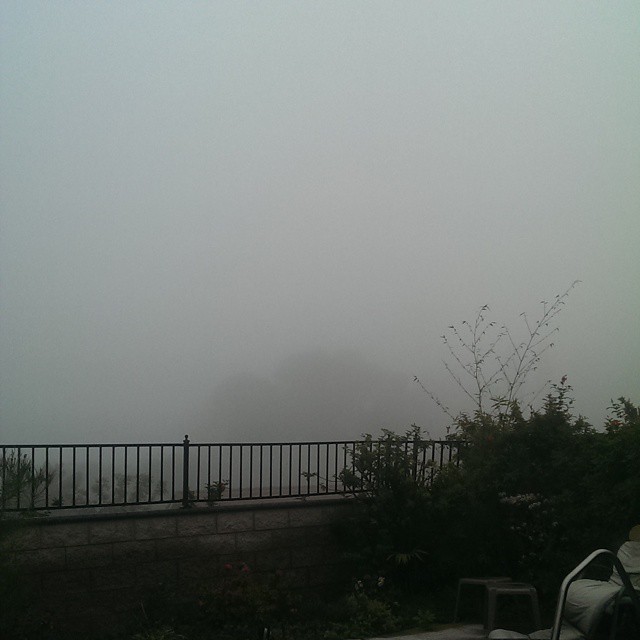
(20, 482)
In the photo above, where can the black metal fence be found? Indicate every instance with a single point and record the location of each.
(73, 476)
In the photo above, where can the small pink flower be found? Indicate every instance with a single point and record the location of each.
(245, 568)
(228, 566)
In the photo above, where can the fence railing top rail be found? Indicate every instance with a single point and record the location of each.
(284, 443)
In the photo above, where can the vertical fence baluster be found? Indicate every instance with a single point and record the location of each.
(251, 471)
(326, 472)
(173, 472)
(209, 472)
(73, 475)
(290, 467)
(198, 473)
(241, 449)
(230, 469)
(149, 494)
(270, 470)
(33, 477)
(87, 474)
(126, 473)
(308, 468)
(280, 470)
(18, 475)
(219, 465)
(113, 475)
(299, 470)
(47, 477)
(4, 478)
(185, 472)
(161, 473)
(100, 474)
(137, 474)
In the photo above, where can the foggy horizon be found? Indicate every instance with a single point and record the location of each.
(253, 222)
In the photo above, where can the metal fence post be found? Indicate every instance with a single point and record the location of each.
(186, 502)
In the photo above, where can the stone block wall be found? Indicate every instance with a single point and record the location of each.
(90, 571)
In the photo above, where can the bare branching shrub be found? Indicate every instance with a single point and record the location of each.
(491, 366)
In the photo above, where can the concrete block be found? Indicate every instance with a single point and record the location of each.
(162, 527)
(319, 535)
(86, 603)
(154, 574)
(111, 530)
(39, 560)
(218, 544)
(95, 555)
(65, 534)
(134, 551)
(191, 525)
(107, 578)
(305, 517)
(125, 601)
(256, 540)
(196, 573)
(24, 537)
(66, 582)
(271, 519)
(235, 561)
(236, 521)
(167, 548)
(288, 538)
(192, 546)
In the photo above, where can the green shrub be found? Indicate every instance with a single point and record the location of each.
(532, 497)
(385, 534)
(360, 615)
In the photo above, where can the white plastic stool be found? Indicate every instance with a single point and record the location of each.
(511, 589)
(478, 582)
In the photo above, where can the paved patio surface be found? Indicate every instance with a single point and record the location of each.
(458, 632)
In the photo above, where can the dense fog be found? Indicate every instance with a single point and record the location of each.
(254, 221)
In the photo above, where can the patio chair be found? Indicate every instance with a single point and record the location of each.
(582, 604)
(588, 600)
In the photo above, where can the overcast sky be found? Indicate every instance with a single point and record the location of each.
(254, 220)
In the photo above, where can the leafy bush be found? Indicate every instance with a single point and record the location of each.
(539, 493)
(386, 533)
(361, 615)
(531, 497)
